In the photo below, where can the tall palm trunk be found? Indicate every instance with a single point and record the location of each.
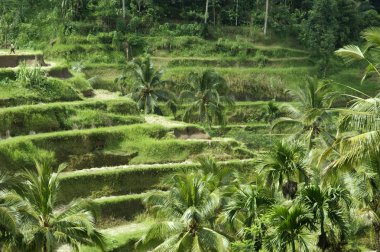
(206, 11)
(214, 12)
(266, 17)
(237, 12)
(123, 1)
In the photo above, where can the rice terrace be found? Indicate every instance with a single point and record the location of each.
(181, 126)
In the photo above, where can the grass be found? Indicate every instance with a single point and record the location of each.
(126, 179)
(121, 238)
(21, 52)
(120, 207)
(58, 116)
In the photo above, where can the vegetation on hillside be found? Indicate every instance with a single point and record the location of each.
(206, 125)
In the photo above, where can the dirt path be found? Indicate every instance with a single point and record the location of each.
(128, 228)
(101, 94)
(160, 120)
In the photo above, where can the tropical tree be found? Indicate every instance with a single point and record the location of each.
(289, 228)
(209, 94)
(327, 206)
(312, 118)
(369, 54)
(363, 182)
(46, 226)
(147, 88)
(246, 204)
(206, 11)
(11, 208)
(284, 162)
(185, 214)
(266, 17)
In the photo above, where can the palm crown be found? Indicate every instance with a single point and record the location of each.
(209, 95)
(186, 211)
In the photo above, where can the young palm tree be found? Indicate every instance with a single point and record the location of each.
(289, 228)
(312, 118)
(284, 162)
(246, 203)
(45, 225)
(186, 212)
(327, 206)
(208, 94)
(148, 88)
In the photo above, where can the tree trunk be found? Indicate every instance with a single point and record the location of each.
(206, 11)
(266, 17)
(123, 1)
(237, 12)
(376, 228)
(214, 12)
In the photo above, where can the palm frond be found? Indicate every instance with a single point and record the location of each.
(350, 53)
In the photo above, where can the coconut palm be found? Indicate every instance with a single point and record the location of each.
(289, 228)
(45, 225)
(358, 137)
(246, 203)
(208, 94)
(363, 182)
(11, 208)
(284, 162)
(147, 88)
(369, 54)
(185, 214)
(312, 118)
(327, 206)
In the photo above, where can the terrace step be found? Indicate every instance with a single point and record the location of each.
(119, 238)
(230, 62)
(124, 207)
(127, 179)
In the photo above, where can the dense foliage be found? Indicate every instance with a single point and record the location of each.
(261, 138)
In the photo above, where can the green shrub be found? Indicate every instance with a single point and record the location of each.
(81, 84)
(56, 90)
(30, 77)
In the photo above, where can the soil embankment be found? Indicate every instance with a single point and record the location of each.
(15, 60)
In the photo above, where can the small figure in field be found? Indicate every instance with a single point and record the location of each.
(13, 49)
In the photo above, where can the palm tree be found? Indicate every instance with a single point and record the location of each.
(312, 118)
(246, 203)
(266, 17)
(209, 94)
(206, 11)
(326, 204)
(284, 161)
(289, 227)
(185, 215)
(147, 88)
(45, 225)
(11, 207)
(363, 182)
(369, 55)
